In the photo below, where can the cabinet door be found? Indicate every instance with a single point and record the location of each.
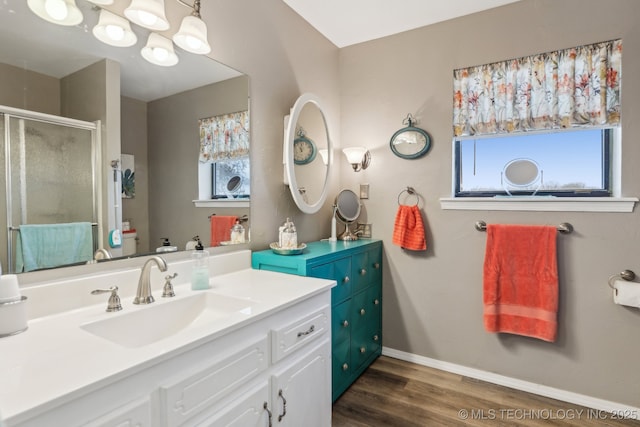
(375, 264)
(340, 271)
(251, 410)
(301, 391)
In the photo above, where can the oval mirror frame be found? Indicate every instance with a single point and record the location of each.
(303, 205)
(420, 138)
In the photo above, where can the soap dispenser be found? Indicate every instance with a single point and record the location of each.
(200, 268)
(166, 246)
(237, 233)
(288, 236)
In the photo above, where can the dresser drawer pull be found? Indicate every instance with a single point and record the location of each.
(363, 271)
(376, 301)
(362, 312)
(376, 265)
(376, 338)
(307, 332)
(284, 406)
(345, 323)
(345, 367)
(266, 408)
(362, 350)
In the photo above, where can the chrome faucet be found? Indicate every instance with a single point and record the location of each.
(143, 295)
(102, 253)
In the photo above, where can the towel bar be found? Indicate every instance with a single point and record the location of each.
(565, 227)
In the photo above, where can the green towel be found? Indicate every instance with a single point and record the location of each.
(51, 245)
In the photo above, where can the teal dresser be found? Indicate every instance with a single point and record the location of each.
(356, 300)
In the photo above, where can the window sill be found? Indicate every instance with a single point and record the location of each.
(554, 204)
(222, 203)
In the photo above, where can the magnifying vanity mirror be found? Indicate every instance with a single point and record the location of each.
(145, 110)
(347, 210)
(307, 135)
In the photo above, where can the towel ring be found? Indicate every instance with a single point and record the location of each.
(411, 192)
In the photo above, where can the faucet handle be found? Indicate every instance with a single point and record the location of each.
(167, 291)
(114, 300)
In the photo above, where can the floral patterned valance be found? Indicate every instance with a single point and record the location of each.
(573, 87)
(224, 137)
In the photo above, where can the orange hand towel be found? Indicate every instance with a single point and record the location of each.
(408, 231)
(520, 281)
(221, 228)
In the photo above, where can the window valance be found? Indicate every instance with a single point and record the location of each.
(576, 87)
(224, 137)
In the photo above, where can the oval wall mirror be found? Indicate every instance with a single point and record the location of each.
(348, 210)
(410, 142)
(307, 135)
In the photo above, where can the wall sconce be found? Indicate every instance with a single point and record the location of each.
(192, 35)
(61, 12)
(359, 157)
(148, 14)
(159, 51)
(324, 153)
(114, 30)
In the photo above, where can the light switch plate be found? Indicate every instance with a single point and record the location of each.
(364, 191)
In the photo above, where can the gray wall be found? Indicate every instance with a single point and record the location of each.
(433, 300)
(135, 141)
(174, 148)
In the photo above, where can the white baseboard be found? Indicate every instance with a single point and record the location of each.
(566, 396)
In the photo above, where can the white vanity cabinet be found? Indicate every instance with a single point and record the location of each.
(272, 370)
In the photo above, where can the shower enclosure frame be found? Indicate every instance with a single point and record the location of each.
(93, 127)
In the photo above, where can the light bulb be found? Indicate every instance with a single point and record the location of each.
(193, 42)
(147, 18)
(160, 53)
(56, 9)
(114, 32)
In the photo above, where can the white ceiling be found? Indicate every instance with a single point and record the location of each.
(347, 22)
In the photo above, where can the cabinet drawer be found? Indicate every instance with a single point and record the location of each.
(288, 339)
(186, 397)
(375, 264)
(360, 271)
(247, 411)
(341, 322)
(341, 368)
(340, 271)
(136, 413)
(364, 344)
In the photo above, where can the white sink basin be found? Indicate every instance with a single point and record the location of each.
(160, 320)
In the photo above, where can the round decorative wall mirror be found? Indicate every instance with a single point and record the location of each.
(347, 210)
(410, 142)
(307, 134)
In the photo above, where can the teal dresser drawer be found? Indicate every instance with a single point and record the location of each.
(356, 300)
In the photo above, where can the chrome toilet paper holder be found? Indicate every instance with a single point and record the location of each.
(627, 275)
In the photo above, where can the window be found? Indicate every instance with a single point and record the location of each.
(567, 163)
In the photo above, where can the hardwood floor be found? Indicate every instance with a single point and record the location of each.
(396, 393)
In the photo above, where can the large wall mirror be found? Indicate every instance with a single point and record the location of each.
(154, 133)
(308, 153)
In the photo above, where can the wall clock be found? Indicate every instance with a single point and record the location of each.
(304, 149)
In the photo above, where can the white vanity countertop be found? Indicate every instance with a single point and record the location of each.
(55, 360)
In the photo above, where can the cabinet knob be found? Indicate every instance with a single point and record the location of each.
(376, 302)
(345, 367)
(376, 337)
(363, 271)
(345, 323)
(362, 350)
(376, 265)
(362, 312)
(346, 279)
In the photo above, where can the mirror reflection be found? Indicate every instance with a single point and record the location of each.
(153, 124)
(308, 154)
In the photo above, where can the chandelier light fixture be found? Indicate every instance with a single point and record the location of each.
(114, 30)
(61, 12)
(192, 35)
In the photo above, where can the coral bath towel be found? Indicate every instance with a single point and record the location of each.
(221, 228)
(520, 281)
(408, 231)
